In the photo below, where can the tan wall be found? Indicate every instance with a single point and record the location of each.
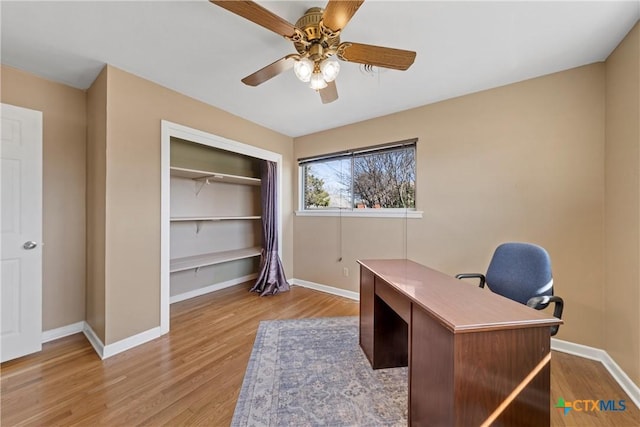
(64, 131)
(524, 162)
(622, 205)
(135, 109)
(96, 203)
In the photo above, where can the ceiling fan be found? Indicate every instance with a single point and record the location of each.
(316, 37)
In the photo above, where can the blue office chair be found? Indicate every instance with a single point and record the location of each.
(521, 272)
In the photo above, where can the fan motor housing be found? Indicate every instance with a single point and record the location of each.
(309, 24)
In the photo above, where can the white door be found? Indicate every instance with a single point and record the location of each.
(21, 225)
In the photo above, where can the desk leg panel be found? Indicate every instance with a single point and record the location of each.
(431, 372)
(532, 407)
(490, 365)
(367, 290)
(461, 379)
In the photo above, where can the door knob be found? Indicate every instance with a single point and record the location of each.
(29, 245)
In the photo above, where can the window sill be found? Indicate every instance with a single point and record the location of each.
(363, 213)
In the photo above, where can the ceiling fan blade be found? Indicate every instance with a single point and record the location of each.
(329, 93)
(338, 13)
(378, 56)
(255, 13)
(270, 71)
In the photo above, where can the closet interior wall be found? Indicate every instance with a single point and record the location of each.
(215, 232)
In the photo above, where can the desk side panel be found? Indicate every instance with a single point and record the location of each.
(536, 399)
(490, 365)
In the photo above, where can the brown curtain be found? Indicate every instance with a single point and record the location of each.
(271, 278)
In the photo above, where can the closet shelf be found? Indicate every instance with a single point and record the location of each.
(199, 175)
(203, 260)
(212, 218)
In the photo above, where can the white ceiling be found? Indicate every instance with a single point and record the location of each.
(202, 50)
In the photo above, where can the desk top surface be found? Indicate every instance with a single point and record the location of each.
(459, 305)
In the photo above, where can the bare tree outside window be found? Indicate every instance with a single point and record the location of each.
(385, 180)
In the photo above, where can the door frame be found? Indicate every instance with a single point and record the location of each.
(169, 130)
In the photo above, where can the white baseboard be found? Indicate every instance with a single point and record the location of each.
(93, 339)
(131, 342)
(603, 357)
(106, 351)
(327, 289)
(64, 331)
(211, 288)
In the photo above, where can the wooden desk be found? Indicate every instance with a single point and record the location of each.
(469, 351)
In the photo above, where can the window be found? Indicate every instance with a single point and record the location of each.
(379, 178)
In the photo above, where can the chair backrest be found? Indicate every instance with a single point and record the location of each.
(520, 271)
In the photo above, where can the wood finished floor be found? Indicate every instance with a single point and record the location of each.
(192, 376)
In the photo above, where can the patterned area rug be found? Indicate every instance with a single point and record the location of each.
(312, 372)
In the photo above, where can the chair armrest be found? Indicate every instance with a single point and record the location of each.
(542, 302)
(473, 276)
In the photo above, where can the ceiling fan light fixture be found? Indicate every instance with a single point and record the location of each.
(317, 81)
(329, 69)
(316, 38)
(303, 68)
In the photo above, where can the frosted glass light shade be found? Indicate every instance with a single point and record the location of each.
(317, 82)
(330, 70)
(303, 69)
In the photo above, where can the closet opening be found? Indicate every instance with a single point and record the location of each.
(211, 213)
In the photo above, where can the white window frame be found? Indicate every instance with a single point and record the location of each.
(356, 212)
